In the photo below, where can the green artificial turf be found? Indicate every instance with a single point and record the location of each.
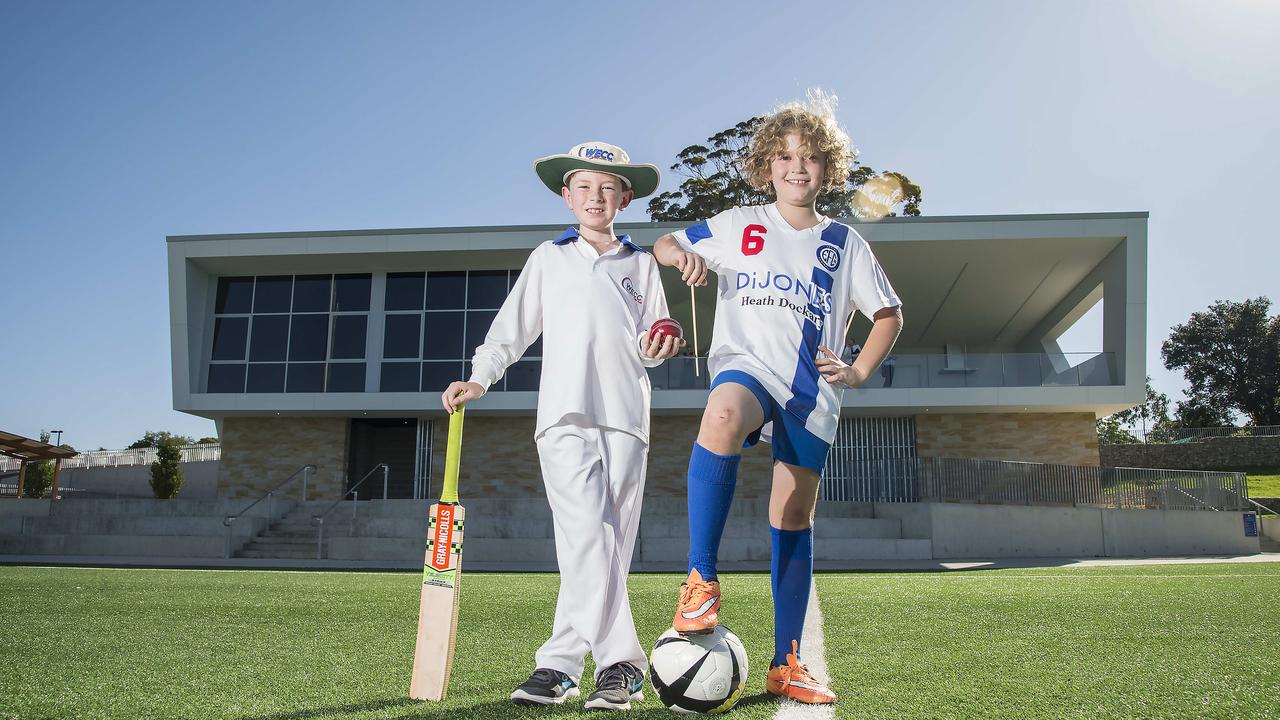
(1150, 641)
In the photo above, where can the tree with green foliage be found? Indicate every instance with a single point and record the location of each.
(1230, 355)
(154, 438)
(1149, 417)
(714, 182)
(207, 441)
(166, 471)
(1111, 432)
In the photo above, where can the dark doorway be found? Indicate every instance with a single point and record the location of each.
(392, 441)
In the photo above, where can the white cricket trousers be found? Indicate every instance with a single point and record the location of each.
(595, 482)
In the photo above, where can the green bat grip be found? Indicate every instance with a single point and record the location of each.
(453, 453)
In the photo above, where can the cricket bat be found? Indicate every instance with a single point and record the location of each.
(441, 574)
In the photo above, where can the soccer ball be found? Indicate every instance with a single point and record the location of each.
(699, 673)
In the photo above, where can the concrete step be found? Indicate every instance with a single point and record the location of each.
(284, 539)
(760, 549)
(522, 550)
(300, 554)
(177, 525)
(749, 527)
(194, 546)
(157, 508)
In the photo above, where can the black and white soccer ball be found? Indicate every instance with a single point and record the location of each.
(699, 673)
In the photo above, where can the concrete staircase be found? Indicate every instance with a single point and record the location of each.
(293, 535)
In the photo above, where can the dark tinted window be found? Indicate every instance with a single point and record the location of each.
(229, 335)
(524, 375)
(478, 323)
(349, 336)
(351, 292)
(401, 337)
(404, 291)
(309, 337)
(226, 378)
(311, 293)
(436, 376)
(399, 377)
(265, 377)
(270, 335)
(305, 377)
(446, 290)
(486, 288)
(273, 294)
(442, 338)
(535, 349)
(235, 295)
(346, 377)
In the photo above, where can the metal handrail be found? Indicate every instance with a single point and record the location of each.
(318, 520)
(229, 520)
(1264, 507)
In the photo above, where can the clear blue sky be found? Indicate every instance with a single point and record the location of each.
(124, 122)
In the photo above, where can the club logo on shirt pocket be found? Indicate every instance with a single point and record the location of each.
(829, 257)
(631, 290)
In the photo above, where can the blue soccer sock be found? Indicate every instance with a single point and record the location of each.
(792, 567)
(712, 478)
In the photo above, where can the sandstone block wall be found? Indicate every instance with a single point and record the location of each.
(259, 453)
(1062, 438)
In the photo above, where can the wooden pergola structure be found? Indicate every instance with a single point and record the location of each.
(27, 450)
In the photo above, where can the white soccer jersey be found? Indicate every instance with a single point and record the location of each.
(591, 311)
(782, 292)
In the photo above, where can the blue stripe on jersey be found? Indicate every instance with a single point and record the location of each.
(835, 234)
(697, 232)
(804, 386)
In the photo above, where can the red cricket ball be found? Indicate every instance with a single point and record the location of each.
(664, 327)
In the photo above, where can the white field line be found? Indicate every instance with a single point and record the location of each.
(814, 654)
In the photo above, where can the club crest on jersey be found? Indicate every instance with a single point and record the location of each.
(829, 257)
(631, 290)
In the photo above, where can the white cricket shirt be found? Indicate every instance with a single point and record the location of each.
(591, 311)
(781, 293)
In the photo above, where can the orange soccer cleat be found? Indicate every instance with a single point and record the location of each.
(698, 611)
(794, 681)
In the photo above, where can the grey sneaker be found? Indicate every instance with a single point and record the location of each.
(545, 687)
(617, 687)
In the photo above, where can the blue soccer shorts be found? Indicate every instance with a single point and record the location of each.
(791, 442)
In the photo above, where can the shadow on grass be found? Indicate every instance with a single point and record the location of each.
(496, 709)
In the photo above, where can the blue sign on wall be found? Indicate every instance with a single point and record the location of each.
(1250, 525)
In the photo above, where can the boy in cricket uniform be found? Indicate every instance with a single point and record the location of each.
(593, 297)
(788, 279)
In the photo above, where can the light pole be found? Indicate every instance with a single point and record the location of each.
(59, 432)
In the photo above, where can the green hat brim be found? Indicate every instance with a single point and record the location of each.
(644, 179)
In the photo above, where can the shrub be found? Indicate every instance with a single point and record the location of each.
(166, 471)
(38, 479)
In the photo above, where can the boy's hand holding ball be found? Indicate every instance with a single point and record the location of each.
(665, 339)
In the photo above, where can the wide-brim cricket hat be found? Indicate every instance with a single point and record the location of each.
(554, 170)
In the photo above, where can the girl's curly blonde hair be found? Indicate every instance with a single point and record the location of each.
(815, 122)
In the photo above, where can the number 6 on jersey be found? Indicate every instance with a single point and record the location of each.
(441, 574)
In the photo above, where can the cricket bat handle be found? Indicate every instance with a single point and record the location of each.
(453, 453)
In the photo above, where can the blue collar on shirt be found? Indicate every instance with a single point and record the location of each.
(571, 235)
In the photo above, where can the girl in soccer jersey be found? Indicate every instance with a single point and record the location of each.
(788, 279)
